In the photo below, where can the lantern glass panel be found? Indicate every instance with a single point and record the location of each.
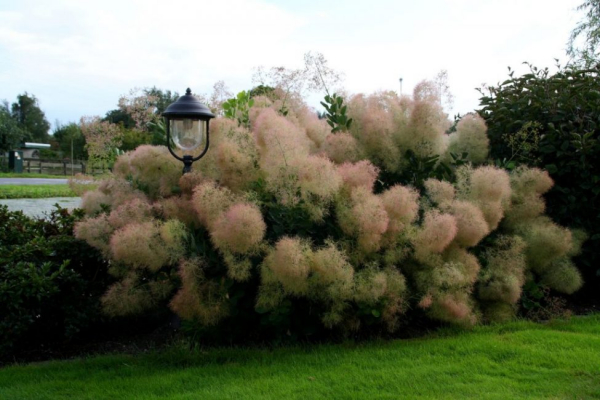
(188, 133)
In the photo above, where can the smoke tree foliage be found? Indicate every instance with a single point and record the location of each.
(285, 222)
(101, 137)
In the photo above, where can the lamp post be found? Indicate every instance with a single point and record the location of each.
(187, 125)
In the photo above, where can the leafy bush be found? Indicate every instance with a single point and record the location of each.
(287, 228)
(237, 108)
(552, 121)
(50, 282)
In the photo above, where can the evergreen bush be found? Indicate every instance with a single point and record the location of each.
(552, 121)
(50, 282)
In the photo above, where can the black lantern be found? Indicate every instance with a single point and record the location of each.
(187, 127)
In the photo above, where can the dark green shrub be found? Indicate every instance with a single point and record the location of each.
(50, 282)
(552, 121)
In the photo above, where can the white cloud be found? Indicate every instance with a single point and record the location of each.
(77, 57)
(111, 46)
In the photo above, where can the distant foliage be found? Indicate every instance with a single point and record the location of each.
(290, 228)
(551, 121)
(11, 134)
(30, 118)
(584, 42)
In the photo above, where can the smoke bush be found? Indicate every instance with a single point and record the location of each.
(198, 297)
(93, 201)
(375, 126)
(470, 223)
(240, 229)
(426, 126)
(362, 173)
(564, 277)
(285, 225)
(96, 232)
(453, 307)
(363, 216)
(234, 157)
(330, 268)
(436, 233)
(370, 285)
(114, 192)
(546, 242)
(134, 211)
(210, 200)
(318, 178)
(471, 138)
(289, 262)
(317, 129)
(341, 147)
(401, 206)
(153, 168)
(332, 281)
(127, 297)
(439, 192)
(237, 169)
(528, 185)
(503, 277)
(179, 208)
(488, 188)
(149, 244)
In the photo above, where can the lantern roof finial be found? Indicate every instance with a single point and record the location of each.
(188, 106)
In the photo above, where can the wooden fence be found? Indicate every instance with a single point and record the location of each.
(63, 167)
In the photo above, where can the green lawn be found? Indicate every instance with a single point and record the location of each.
(519, 360)
(35, 191)
(31, 175)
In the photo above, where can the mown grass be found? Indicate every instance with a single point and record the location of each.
(32, 175)
(518, 360)
(35, 191)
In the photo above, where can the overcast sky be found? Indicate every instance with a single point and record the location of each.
(77, 57)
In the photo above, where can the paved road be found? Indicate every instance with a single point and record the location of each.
(32, 181)
(37, 207)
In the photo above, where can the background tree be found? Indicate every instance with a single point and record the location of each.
(11, 134)
(584, 42)
(65, 135)
(139, 116)
(261, 90)
(30, 117)
(132, 138)
(220, 95)
(120, 117)
(102, 138)
(551, 121)
(162, 98)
